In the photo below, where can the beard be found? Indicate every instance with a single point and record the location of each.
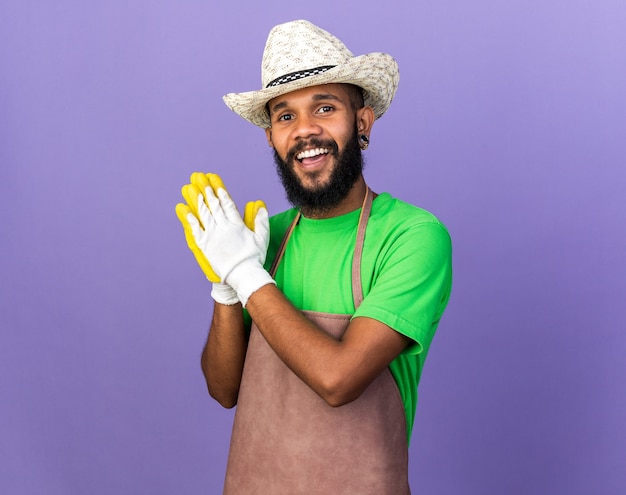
(321, 198)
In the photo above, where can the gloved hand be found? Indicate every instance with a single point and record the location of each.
(255, 217)
(238, 245)
(224, 293)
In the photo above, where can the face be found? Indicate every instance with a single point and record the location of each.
(314, 134)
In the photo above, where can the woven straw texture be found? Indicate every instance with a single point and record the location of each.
(298, 54)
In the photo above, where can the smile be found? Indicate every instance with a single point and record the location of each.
(312, 153)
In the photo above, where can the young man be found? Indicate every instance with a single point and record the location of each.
(324, 361)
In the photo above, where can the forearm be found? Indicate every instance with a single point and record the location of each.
(334, 369)
(224, 354)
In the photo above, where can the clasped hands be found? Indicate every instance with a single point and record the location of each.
(230, 249)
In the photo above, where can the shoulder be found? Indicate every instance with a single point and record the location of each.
(394, 215)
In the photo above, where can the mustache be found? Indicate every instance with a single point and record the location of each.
(312, 143)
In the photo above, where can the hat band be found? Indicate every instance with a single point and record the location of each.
(294, 76)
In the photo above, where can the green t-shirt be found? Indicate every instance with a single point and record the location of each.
(405, 271)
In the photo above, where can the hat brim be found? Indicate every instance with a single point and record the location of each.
(376, 73)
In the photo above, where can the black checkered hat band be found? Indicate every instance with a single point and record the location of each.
(294, 76)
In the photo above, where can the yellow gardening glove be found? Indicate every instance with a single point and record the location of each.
(191, 192)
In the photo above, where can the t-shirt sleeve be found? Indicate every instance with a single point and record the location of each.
(411, 284)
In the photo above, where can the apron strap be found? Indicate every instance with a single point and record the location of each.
(357, 286)
(283, 245)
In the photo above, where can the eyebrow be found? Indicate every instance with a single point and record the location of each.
(316, 97)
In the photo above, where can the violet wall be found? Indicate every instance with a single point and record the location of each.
(509, 124)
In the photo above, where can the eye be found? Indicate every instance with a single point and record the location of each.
(284, 117)
(326, 109)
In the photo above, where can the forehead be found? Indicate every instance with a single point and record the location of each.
(323, 91)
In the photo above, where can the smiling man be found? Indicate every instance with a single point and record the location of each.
(308, 125)
(324, 313)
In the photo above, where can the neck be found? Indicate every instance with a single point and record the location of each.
(351, 202)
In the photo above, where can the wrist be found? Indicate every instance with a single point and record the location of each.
(224, 294)
(247, 278)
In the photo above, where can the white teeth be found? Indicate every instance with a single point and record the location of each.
(311, 153)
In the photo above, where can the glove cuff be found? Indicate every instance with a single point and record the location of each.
(247, 278)
(224, 294)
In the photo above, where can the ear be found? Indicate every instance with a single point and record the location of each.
(365, 120)
(268, 135)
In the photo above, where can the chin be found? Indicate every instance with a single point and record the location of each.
(314, 184)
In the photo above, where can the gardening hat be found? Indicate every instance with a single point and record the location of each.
(298, 55)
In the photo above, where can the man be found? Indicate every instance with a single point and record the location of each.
(323, 363)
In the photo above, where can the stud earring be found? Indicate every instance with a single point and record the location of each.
(364, 142)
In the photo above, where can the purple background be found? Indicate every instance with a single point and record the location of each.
(509, 124)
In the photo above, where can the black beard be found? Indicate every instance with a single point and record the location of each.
(323, 198)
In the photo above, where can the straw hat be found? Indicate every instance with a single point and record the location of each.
(299, 54)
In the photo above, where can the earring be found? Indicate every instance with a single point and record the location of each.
(364, 142)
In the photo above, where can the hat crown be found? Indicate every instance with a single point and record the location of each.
(299, 55)
(300, 46)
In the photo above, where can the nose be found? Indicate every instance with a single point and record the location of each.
(307, 127)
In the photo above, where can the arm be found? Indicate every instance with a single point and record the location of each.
(224, 354)
(411, 291)
(337, 370)
(225, 350)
